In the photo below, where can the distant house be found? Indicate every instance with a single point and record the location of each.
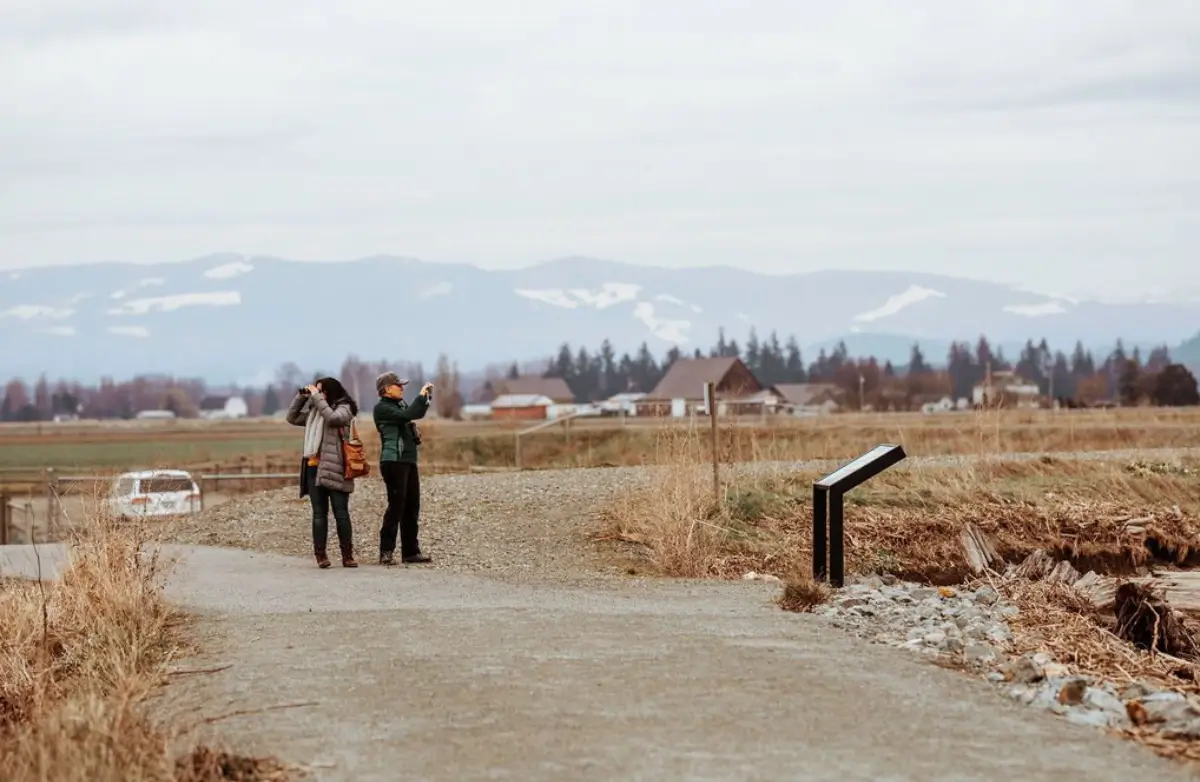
(215, 407)
(553, 387)
(943, 405)
(681, 391)
(1007, 389)
(805, 399)
(476, 412)
(151, 415)
(522, 407)
(625, 402)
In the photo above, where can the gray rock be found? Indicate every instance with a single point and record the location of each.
(1094, 719)
(1182, 729)
(935, 638)
(1137, 690)
(978, 654)
(925, 593)
(1097, 698)
(1022, 670)
(851, 602)
(986, 595)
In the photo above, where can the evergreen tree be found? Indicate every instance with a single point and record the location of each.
(794, 363)
(270, 401)
(752, 352)
(916, 361)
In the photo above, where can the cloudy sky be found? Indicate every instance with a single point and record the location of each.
(1052, 143)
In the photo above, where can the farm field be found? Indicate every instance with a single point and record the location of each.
(271, 444)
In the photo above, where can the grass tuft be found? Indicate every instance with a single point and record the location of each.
(80, 658)
(802, 594)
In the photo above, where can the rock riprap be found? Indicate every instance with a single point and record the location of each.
(970, 627)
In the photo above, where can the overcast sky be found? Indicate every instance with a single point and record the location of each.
(1054, 143)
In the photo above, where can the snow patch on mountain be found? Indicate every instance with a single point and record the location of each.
(914, 294)
(178, 301)
(667, 298)
(610, 293)
(558, 298)
(1036, 310)
(441, 289)
(37, 311)
(138, 332)
(227, 271)
(668, 329)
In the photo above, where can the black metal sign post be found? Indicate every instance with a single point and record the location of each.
(828, 509)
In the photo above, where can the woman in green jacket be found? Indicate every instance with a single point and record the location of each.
(399, 442)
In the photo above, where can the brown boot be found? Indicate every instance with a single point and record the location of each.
(348, 556)
(322, 558)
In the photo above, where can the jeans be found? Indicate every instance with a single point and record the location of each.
(321, 499)
(403, 508)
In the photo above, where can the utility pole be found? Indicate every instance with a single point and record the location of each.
(1049, 367)
(987, 383)
(862, 404)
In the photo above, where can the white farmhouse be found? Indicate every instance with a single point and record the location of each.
(222, 407)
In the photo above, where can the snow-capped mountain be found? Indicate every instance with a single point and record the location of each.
(233, 318)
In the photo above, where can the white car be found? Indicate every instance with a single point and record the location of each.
(154, 493)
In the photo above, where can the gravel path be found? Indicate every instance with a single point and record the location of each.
(381, 674)
(509, 525)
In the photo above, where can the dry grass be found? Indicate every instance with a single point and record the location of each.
(79, 659)
(801, 594)
(908, 520)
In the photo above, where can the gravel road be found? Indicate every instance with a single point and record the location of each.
(427, 675)
(508, 525)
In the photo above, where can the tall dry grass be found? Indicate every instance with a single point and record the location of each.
(907, 521)
(81, 656)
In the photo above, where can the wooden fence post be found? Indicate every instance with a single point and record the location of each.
(710, 401)
(52, 502)
(5, 518)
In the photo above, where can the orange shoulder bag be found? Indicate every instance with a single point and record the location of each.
(354, 456)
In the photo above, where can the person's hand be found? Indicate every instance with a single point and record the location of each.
(426, 389)
(313, 390)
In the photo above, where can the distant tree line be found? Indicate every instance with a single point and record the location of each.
(111, 399)
(1121, 377)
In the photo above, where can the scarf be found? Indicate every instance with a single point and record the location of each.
(314, 432)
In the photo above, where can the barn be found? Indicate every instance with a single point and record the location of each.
(522, 407)
(681, 391)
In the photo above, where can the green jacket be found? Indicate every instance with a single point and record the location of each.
(393, 418)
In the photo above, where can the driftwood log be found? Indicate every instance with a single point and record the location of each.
(981, 556)
(1145, 620)
(1040, 566)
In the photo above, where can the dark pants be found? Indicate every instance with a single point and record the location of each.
(403, 508)
(321, 499)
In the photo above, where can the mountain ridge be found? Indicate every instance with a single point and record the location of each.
(192, 317)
